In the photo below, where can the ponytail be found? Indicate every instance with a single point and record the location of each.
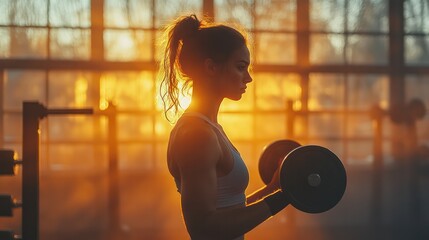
(187, 43)
(181, 29)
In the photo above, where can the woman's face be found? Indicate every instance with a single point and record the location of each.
(234, 76)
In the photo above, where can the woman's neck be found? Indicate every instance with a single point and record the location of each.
(205, 103)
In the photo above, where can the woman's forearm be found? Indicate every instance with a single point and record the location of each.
(231, 223)
(260, 194)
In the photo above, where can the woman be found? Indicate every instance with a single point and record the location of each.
(209, 172)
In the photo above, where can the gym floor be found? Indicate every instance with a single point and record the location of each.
(76, 207)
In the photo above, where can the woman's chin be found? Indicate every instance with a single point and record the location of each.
(235, 98)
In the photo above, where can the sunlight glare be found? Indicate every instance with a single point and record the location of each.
(107, 88)
(80, 90)
(184, 99)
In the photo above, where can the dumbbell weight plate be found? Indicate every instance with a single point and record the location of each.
(313, 178)
(7, 235)
(7, 162)
(272, 156)
(416, 108)
(6, 205)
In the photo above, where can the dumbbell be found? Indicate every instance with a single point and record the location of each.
(9, 235)
(7, 203)
(8, 162)
(408, 113)
(272, 157)
(312, 177)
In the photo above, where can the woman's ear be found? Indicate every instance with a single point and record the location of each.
(210, 67)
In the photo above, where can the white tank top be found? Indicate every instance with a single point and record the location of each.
(231, 187)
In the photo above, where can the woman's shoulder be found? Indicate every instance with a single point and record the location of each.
(195, 138)
(194, 130)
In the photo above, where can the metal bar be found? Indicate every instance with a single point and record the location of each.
(377, 170)
(2, 91)
(396, 52)
(256, 111)
(113, 201)
(69, 111)
(32, 112)
(98, 65)
(97, 29)
(208, 9)
(78, 65)
(290, 120)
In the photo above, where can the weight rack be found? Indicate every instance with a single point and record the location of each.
(33, 112)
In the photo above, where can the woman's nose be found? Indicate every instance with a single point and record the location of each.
(248, 78)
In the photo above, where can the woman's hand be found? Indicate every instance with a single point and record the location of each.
(274, 184)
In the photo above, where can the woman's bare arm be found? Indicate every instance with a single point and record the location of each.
(197, 160)
(266, 190)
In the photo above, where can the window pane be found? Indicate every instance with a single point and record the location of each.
(160, 157)
(417, 86)
(367, 49)
(162, 127)
(416, 16)
(136, 157)
(359, 126)
(72, 89)
(326, 91)
(300, 128)
(132, 127)
(74, 157)
(70, 44)
(5, 10)
(167, 10)
(360, 152)
(361, 15)
(128, 13)
(416, 50)
(68, 127)
(327, 15)
(336, 146)
(76, 13)
(127, 45)
(270, 126)
(239, 12)
(237, 126)
(158, 55)
(5, 42)
(364, 91)
(325, 125)
(273, 90)
(28, 43)
(327, 48)
(275, 48)
(26, 13)
(23, 85)
(12, 127)
(128, 90)
(276, 15)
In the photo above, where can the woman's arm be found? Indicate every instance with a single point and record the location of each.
(197, 160)
(266, 190)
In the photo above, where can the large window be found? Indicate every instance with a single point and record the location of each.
(332, 59)
(318, 67)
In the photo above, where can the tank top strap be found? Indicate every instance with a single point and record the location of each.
(214, 125)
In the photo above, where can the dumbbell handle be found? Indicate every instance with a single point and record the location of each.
(277, 201)
(17, 204)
